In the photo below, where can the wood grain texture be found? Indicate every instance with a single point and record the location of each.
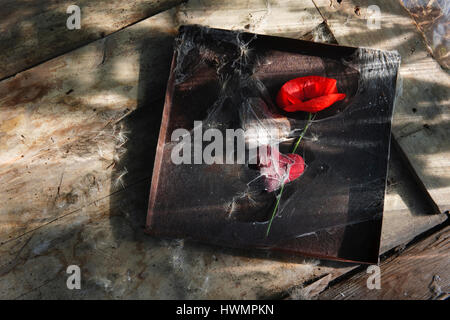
(86, 124)
(60, 136)
(421, 119)
(419, 272)
(34, 31)
(288, 18)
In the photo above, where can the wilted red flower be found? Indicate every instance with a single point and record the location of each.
(275, 166)
(310, 94)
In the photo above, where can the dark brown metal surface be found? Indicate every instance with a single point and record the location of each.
(334, 210)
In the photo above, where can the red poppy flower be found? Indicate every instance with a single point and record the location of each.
(275, 166)
(310, 94)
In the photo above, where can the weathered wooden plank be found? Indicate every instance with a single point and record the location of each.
(34, 31)
(421, 120)
(59, 138)
(420, 272)
(288, 18)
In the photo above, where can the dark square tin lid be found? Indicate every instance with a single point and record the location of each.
(334, 210)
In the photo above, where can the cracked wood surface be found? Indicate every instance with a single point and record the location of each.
(77, 141)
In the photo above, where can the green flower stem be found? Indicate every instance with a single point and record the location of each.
(303, 132)
(275, 210)
(282, 185)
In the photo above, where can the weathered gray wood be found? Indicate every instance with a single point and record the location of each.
(59, 140)
(421, 120)
(34, 31)
(420, 272)
(288, 18)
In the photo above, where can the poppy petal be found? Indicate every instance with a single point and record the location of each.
(278, 166)
(316, 104)
(296, 168)
(311, 94)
